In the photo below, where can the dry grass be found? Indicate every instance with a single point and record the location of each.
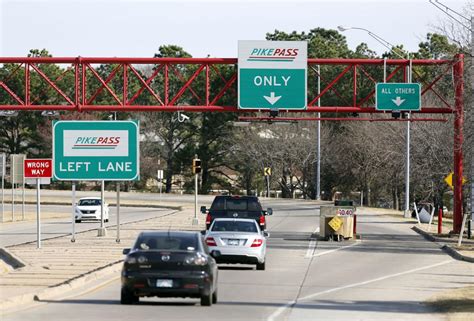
(458, 303)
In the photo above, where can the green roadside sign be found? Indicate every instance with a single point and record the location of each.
(398, 96)
(272, 75)
(96, 150)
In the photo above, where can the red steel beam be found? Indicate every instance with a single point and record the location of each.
(205, 102)
(280, 119)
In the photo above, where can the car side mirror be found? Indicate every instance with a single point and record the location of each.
(269, 211)
(216, 253)
(125, 251)
(203, 210)
(266, 234)
(203, 232)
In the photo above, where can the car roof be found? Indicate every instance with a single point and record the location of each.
(237, 197)
(89, 198)
(168, 233)
(235, 219)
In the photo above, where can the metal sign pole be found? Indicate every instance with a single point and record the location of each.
(102, 231)
(407, 169)
(12, 174)
(23, 198)
(268, 186)
(161, 186)
(195, 220)
(118, 213)
(73, 233)
(472, 125)
(3, 187)
(318, 161)
(38, 214)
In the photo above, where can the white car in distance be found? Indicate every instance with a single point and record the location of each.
(88, 208)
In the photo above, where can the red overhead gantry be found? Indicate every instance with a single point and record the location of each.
(204, 84)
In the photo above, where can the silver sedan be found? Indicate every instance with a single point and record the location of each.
(238, 240)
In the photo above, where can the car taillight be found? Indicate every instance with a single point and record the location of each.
(262, 220)
(210, 241)
(197, 259)
(208, 218)
(257, 243)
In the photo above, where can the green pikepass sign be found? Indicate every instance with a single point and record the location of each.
(96, 150)
(272, 74)
(398, 96)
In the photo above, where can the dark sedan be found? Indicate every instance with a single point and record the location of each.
(169, 264)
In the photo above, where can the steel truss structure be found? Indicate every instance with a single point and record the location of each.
(210, 85)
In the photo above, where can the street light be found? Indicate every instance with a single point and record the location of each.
(392, 48)
(9, 113)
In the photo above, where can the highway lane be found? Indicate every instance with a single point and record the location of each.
(25, 231)
(387, 275)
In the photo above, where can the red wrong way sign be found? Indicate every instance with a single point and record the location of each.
(38, 168)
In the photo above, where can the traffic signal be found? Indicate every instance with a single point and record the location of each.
(196, 166)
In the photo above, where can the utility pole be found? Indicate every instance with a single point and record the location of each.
(196, 171)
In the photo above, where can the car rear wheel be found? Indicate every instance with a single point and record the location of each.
(261, 266)
(214, 297)
(206, 300)
(127, 297)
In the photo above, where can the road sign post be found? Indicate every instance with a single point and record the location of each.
(267, 172)
(73, 219)
(398, 96)
(196, 171)
(272, 74)
(159, 176)
(37, 169)
(2, 218)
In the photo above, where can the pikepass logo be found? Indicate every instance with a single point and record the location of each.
(273, 54)
(96, 143)
(101, 142)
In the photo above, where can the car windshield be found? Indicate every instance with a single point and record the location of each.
(167, 242)
(235, 204)
(234, 226)
(89, 202)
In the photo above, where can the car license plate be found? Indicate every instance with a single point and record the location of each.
(160, 283)
(233, 242)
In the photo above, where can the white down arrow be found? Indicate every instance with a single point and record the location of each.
(272, 99)
(398, 101)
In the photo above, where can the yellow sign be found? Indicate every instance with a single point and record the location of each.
(449, 180)
(335, 223)
(267, 171)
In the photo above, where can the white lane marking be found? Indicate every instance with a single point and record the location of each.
(339, 248)
(312, 245)
(282, 309)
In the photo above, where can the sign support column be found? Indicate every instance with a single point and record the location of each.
(73, 218)
(38, 213)
(3, 188)
(118, 213)
(40, 170)
(102, 231)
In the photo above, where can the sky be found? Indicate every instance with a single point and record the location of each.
(128, 28)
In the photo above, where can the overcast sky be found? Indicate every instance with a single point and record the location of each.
(126, 28)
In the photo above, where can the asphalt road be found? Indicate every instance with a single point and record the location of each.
(25, 231)
(386, 276)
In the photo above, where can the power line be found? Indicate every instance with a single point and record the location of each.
(447, 10)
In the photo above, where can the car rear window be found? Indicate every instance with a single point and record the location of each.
(234, 226)
(165, 242)
(235, 204)
(91, 202)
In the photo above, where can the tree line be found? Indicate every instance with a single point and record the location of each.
(355, 157)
